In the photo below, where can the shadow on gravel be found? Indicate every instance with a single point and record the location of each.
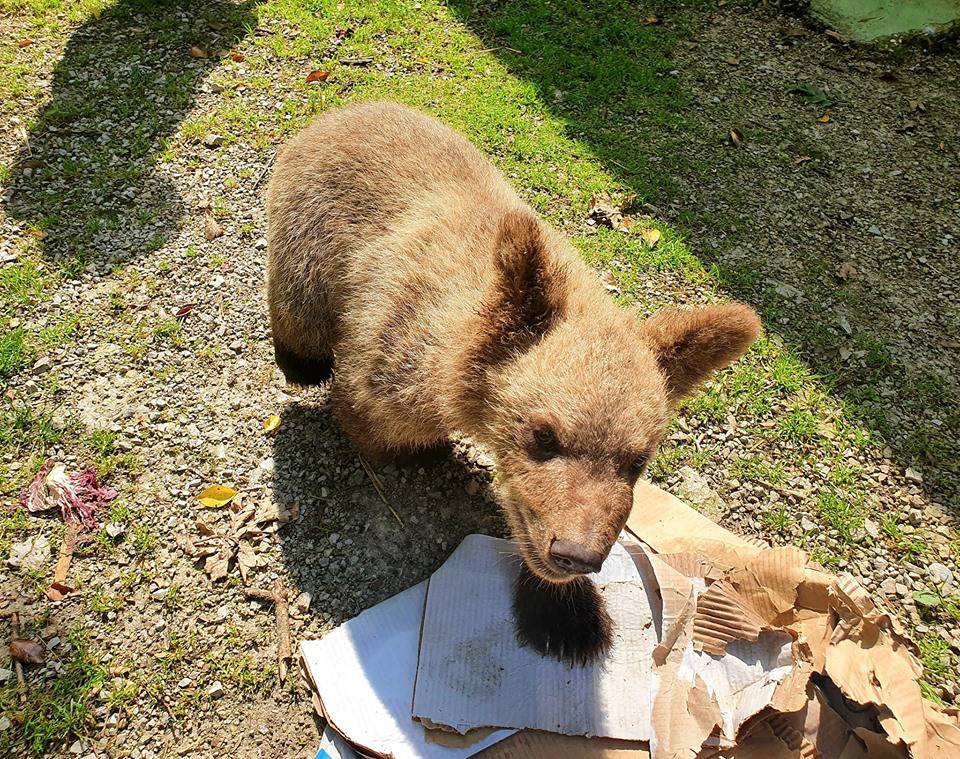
(607, 71)
(85, 176)
(351, 551)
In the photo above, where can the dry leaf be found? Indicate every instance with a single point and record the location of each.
(199, 52)
(610, 282)
(216, 495)
(185, 309)
(651, 21)
(271, 423)
(319, 75)
(846, 270)
(58, 591)
(211, 229)
(25, 42)
(218, 565)
(950, 343)
(736, 138)
(732, 61)
(825, 119)
(28, 651)
(651, 237)
(238, 57)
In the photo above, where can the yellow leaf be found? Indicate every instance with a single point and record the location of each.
(651, 237)
(825, 119)
(216, 495)
(271, 423)
(423, 61)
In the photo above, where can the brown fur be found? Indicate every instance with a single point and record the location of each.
(447, 305)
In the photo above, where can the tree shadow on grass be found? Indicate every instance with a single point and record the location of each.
(85, 181)
(607, 71)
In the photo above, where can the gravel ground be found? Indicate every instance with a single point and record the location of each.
(190, 663)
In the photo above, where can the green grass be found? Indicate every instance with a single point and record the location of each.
(842, 513)
(57, 709)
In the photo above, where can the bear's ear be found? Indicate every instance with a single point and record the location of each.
(530, 284)
(690, 344)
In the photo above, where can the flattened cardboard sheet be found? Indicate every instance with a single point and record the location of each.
(473, 673)
(364, 673)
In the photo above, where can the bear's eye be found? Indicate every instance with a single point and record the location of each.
(545, 443)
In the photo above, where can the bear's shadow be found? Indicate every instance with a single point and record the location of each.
(353, 548)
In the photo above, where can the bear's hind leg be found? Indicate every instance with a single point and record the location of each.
(300, 370)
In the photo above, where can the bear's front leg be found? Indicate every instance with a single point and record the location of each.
(568, 622)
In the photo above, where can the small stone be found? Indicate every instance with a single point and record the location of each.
(115, 529)
(303, 601)
(872, 528)
(808, 525)
(940, 572)
(5, 674)
(43, 365)
(4, 723)
(213, 140)
(874, 230)
(913, 475)
(334, 537)
(215, 689)
(902, 590)
(185, 683)
(888, 586)
(76, 748)
(261, 244)
(473, 487)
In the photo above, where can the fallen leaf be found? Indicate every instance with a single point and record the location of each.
(25, 42)
(212, 230)
(199, 52)
(603, 210)
(185, 309)
(218, 565)
(58, 591)
(846, 270)
(28, 651)
(732, 61)
(238, 57)
(950, 343)
(651, 21)
(271, 423)
(319, 75)
(651, 237)
(216, 496)
(423, 61)
(736, 138)
(825, 119)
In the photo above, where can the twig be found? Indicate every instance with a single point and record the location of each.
(356, 61)
(281, 607)
(262, 174)
(58, 588)
(495, 49)
(378, 486)
(18, 667)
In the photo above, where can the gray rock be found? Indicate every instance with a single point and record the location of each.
(215, 689)
(913, 475)
(695, 490)
(940, 572)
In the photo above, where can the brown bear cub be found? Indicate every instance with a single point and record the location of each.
(403, 263)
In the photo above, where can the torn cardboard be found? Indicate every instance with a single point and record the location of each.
(751, 652)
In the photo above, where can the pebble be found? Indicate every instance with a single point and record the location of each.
(215, 689)
(940, 572)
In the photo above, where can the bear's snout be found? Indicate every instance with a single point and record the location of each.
(575, 558)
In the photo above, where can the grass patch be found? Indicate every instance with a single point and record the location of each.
(13, 353)
(56, 710)
(842, 513)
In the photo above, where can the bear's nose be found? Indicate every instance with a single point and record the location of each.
(575, 558)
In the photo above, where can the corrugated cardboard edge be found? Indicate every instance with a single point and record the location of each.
(865, 654)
